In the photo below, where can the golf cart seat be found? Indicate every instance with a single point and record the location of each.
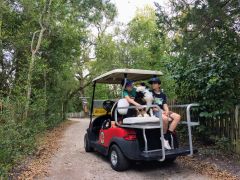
(140, 120)
(120, 116)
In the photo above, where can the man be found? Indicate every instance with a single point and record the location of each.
(160, 99)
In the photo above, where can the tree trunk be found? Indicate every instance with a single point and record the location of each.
(45, 92)
(45, 12)
(30, 70)
(1, 48)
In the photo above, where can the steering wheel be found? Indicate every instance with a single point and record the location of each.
(107, 105)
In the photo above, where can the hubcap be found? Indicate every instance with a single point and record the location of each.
(114, 158)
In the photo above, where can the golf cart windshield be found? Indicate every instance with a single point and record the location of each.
(116, 76)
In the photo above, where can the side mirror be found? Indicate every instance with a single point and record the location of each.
(106, 124)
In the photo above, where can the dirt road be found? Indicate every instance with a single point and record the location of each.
(71, 162)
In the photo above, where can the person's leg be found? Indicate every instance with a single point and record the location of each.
(170, 135)
(165, 123)
(165, 120)
(175, 120)
(165, 128)
(165, 131)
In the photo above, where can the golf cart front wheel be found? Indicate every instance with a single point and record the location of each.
(117, 159)
(87, 146)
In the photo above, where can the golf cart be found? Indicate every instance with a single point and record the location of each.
(125, 139)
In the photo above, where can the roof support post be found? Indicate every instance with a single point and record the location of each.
(92, 103)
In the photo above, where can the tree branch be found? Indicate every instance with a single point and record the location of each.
(78, 89)
(33, 38)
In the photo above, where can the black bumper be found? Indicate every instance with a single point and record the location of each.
(157, 155)
(132, 151)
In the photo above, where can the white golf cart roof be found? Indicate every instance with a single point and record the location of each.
(117, 75)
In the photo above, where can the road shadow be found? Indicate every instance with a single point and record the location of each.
(143, 166)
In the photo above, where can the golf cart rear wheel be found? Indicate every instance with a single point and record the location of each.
(87, 146)
(117, 159)
(170, 160)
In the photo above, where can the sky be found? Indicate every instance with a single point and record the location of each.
(127, 8)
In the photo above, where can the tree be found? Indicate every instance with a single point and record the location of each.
(205, 52)
(43, 21)
(46, 72)
(148, 48)
(136, 46)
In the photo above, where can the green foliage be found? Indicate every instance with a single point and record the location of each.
(223, 143)
(57, 62)
(138, 46)
(148, 49)
(17, 137)
(205, 53)
(205, 61)
(196, 47)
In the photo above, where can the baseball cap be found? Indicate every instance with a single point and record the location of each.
(128, 83)
(154, 79)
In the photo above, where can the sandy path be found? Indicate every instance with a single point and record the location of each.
(72, 162)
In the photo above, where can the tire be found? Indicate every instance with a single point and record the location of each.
(87, 146)
(170, 160)
(117, 159)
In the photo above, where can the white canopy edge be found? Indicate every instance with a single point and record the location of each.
(117, 75)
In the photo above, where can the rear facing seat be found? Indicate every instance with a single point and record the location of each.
(140, 120)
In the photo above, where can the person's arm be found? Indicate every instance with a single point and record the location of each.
(165, 106)
(131, 101)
